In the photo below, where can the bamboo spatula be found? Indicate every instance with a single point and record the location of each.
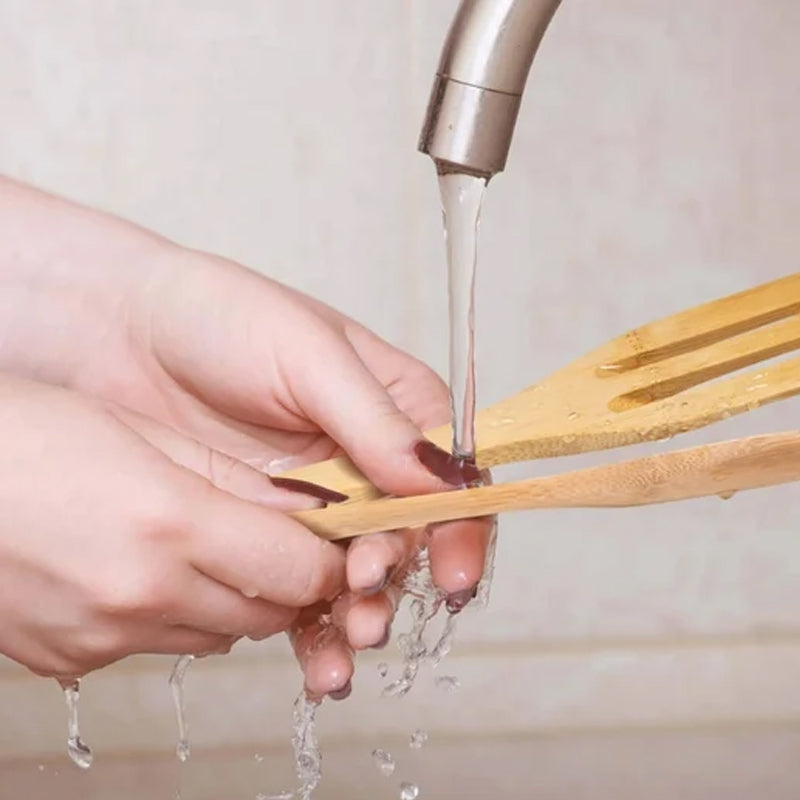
(649, 384)
(718, 469)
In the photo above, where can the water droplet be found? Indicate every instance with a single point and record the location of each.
(445, 643)
(307, 754)
(250, 593)
(41, 767)
(286, 795)
(409, 791)
(427, 600)
(573, 415)
(418, 739)
(258, 757)
(176, 679)
(383, 669)
(447, 683)
(605, 369)
(78, 750)
(383, 761)
(726, 495)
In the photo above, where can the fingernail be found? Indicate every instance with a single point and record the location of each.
(449, 468)
(457, 601)
(343, 693)
(375, 588)
(312, 489)
(384, 640)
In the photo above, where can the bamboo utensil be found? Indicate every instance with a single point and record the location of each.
(656, 381)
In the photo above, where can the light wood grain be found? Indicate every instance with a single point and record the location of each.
(651, 383)
(718, 469)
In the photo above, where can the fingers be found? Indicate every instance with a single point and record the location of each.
(226, 473)
(178, 641)
(458, 558)
(260, 552)
(324, 655)
(323, 639)
(218, 609)
(372, 559)
(360, 415)
(376, 567)
(368, 623)
(413, 386)
(458, 555)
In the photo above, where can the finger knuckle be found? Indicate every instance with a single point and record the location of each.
(274, 621)
(222, 470)
(136, 592)
(313, 578)
(94, 647)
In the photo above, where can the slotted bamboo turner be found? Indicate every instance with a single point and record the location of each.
(651, 383)
(717, 469)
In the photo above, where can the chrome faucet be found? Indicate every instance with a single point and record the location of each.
(479, 83)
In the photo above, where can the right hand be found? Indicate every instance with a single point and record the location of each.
(120, 536)
(233, 363)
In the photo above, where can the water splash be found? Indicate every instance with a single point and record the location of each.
(418, 739)
(383, 761)
(277, 796)
(409, 791)
(485, 584)
(445, 642)
(426, 602)
(307, 755)
(447, 683)
(80, 753)
(176, 679)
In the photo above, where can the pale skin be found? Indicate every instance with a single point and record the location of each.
(144, 391)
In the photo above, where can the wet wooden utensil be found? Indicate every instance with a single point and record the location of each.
(651, 383)
(718, 469)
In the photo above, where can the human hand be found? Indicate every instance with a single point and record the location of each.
(110, 547)
(248, 368)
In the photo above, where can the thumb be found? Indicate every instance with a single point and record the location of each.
(346, 400)
(234, 540)
(225, 472)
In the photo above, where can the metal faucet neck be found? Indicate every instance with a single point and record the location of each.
(480, 81)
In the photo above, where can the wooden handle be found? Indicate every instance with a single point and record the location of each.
(341, 475)
(719, 469)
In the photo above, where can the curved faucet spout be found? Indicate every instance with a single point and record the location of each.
(480, 81)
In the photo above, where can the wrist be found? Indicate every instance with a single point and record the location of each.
(66, 281)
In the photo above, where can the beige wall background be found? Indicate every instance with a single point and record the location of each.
(656, 164)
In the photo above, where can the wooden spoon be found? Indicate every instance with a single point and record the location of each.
(717, 469)
(652, 383)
